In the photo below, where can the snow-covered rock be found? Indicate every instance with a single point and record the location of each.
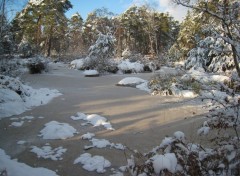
(131, 81)
(91, 73)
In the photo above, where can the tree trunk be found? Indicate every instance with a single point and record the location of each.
(235, 58)
(49, 43)
(2, 18)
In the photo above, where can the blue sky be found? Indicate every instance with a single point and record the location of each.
(83, 7)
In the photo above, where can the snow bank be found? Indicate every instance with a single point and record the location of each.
(16, 98)
(47, 152)
(134, 67)
(15, 168)
(90, 163)
(94, 119)
(56, 130)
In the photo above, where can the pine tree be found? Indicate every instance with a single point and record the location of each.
(44, 24)
(75, 34)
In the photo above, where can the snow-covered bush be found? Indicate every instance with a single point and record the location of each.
(100, 52)
(211, 55)
(161, 84)
(37, 65)
(171, 82)
(219, 156)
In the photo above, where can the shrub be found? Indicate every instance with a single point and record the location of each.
(161, 84)
(36, 66)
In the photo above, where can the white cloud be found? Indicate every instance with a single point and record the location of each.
(178, 12)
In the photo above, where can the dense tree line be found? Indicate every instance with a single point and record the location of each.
(43, 27)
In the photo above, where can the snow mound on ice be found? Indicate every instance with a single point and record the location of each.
(90, 163)
(56, 130)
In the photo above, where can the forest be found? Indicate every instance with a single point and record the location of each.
(197, 58)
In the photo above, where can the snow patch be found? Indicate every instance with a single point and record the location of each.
(94, 119)
(47, 152)
(17, 124)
